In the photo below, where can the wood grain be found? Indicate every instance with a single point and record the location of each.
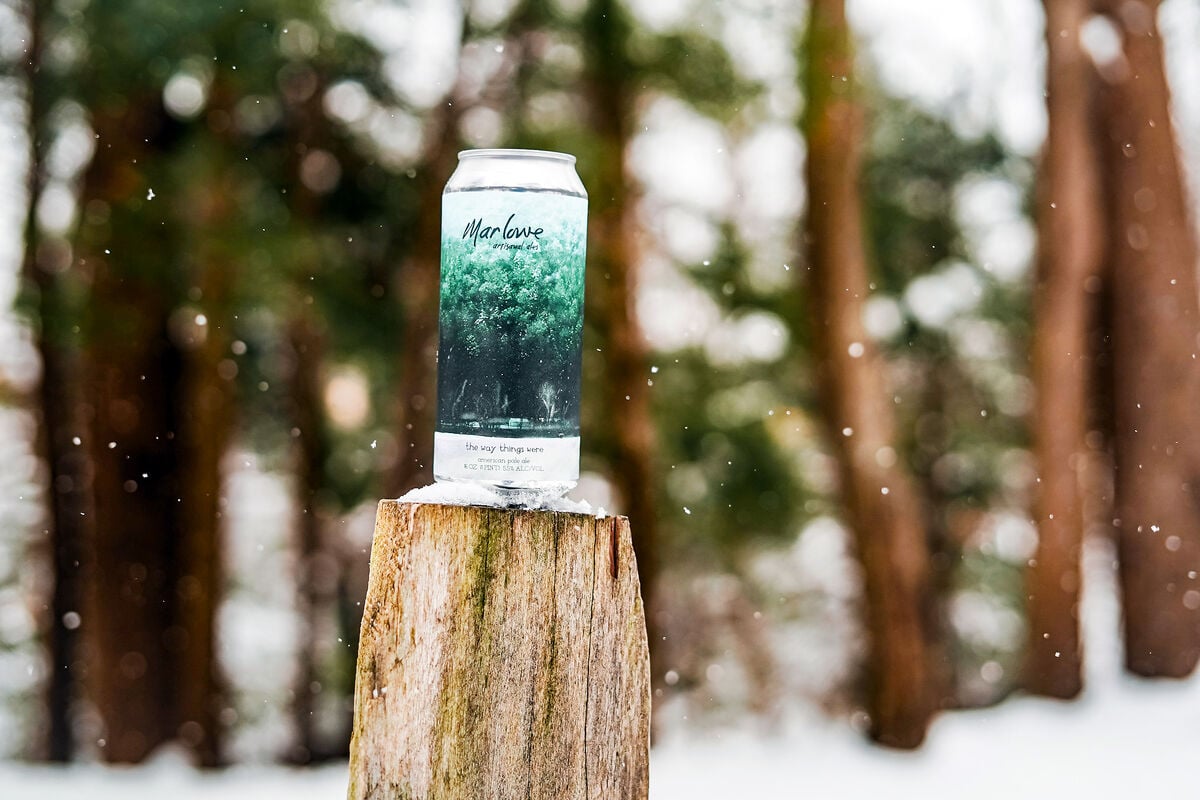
(503, 655)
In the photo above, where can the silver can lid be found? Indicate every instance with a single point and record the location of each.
(531, 170)
(549, 155)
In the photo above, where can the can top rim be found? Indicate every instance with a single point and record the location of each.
(548, 155)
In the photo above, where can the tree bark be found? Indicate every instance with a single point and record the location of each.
(306, 339)
(503, 655)
(612, 295)
(418, 354)
(130, 374)
(206, 417)
(1070, 251)
(312, 592)
(881, 506)
(1156, 331)
(420, 274)
(159, 419)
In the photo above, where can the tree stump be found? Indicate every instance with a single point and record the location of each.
(503, 655)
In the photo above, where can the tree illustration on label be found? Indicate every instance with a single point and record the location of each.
(511, 314)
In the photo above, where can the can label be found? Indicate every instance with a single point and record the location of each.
(511, 328)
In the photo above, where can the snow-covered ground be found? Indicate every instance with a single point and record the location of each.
(1119, 740)
(1122, 738)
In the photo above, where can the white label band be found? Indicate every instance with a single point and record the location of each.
(460, 456)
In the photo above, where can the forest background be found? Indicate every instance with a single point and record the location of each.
(879, 342)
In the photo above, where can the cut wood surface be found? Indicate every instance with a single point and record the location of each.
(503, 655)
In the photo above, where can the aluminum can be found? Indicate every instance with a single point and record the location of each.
(510, 338)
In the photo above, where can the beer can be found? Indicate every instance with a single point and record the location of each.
(514, 236)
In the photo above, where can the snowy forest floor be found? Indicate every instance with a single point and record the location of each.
(1123, 737)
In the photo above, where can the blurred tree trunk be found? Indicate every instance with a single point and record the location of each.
(419, 287)
(307, 415)
(131, 371)
(881, 505)
(205, 423)
(1070, 242)
(612, 292)
(56, 395)
(1156, 373)
(317, 572)
(159, 421)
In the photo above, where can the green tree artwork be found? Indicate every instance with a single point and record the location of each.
(511, 313)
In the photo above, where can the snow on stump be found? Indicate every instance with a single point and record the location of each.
(503, 655)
